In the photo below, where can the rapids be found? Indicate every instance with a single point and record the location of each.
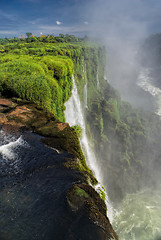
(139, 216)
(145, 81)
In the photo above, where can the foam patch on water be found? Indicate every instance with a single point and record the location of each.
(8, 150)
(139, 216)
(10, 161)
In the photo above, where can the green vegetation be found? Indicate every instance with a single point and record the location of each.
(78, 130)
(102, 193)
(81, 193)
(47, 81)
(40, 69)
(128, 139)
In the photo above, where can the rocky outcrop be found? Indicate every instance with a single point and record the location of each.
(48, 196)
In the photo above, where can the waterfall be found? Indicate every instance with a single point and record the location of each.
(74, 116)
(85, 95)
(146, 83)
(98, 83)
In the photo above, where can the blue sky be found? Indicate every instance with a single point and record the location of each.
(80, 17)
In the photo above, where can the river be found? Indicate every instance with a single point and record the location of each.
(139, 214)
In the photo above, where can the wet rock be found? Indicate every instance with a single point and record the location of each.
(48, 195)
(3, 119)
(6, 105)
(81, 201)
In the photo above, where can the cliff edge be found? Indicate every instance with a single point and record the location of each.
(45, 188)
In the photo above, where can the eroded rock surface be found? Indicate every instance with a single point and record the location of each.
(45, 192)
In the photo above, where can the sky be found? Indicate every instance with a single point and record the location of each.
(80, 17)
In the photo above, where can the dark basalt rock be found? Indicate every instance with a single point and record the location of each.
(44, 193)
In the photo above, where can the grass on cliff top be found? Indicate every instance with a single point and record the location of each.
(41, 72)
(46, 81)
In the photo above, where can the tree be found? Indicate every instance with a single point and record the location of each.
(61, 35)
(29, 34)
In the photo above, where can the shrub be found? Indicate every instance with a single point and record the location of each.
(78, 130)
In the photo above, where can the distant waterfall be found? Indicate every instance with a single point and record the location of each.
(74, 116)
(85, 95)
(97, 78)
(146, 83)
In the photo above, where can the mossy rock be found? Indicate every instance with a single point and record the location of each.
(76, 197)
(86, 201)
(81, 193)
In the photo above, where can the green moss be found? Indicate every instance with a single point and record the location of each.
(78, 130)
(66, 140)
(102, 194)
(81, 193)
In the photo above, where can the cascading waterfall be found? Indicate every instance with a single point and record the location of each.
(85, 95)
(146, 83)
(97, 78)
(74, 116)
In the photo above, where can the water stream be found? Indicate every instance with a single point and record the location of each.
(74, 116)
(33, 187)
(97, 78)
(139, 215)
(145, 81)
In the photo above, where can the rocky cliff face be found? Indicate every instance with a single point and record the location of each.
(45, 191)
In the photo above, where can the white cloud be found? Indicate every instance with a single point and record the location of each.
(8, 32)
(86, 23)
(58, 23)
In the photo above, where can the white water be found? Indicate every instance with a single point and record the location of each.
(146, 83)
(74, 116)
(139, 217)
(97, 78)
(7, 150)
(85, 95)
(9, 158)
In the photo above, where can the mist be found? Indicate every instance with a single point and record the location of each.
(122, 26)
